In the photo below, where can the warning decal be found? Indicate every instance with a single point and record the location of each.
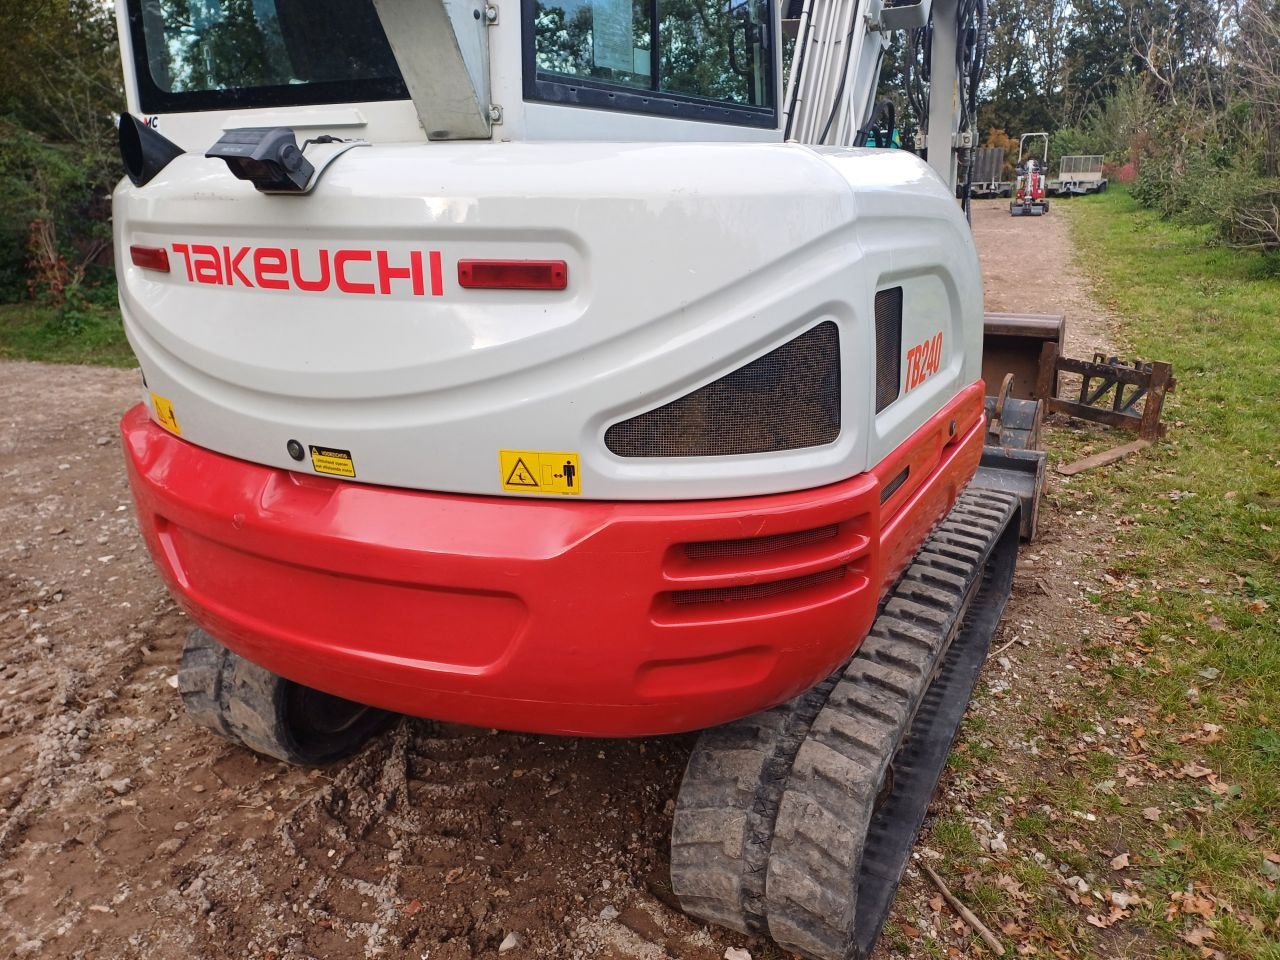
(164, 414)
(540, 471)
(336, 463)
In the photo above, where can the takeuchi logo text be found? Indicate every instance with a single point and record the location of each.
(353, 271)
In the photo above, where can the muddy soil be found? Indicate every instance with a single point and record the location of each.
(126, 831)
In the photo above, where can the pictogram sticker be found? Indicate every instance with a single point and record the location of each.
(165, 416)
(540, 471)
(331, 461)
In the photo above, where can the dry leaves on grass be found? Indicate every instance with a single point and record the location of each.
(1200, 937)
(1190, 904)
(1112, 917)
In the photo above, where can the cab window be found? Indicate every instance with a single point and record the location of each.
(699, 59)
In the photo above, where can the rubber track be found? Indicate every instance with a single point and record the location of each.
(247, 704)
(234, 698)
(731, 863)
(726, 807)
(826, 810)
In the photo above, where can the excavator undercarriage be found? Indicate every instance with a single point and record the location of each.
(798, 822)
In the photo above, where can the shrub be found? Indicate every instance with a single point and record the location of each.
(49, 227)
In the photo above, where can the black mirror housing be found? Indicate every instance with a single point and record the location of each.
(144, 151)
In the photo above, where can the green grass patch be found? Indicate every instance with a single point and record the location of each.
(1198, 526)
(93, 334)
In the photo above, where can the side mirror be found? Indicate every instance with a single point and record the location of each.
(144, 152)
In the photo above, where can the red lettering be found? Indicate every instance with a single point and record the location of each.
(437, 275)
(340, 260)
(313, 285)
(208, 268)
(268, 262)
(923, 361)
(183, 249)
(233, 266)
(387, 273)
(277, 268)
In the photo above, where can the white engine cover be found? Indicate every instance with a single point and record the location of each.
(685, 262)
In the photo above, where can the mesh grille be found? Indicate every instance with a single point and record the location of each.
(755, 546)
(888, 346)
(758, 591)
(785, 400)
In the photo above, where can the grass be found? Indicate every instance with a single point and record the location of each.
(94, 335)
(1166, 749)
(1198, 521)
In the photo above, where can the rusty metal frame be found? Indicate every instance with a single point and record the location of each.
(1150, 382)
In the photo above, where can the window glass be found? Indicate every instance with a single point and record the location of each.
(601, 39)
(715, 49)
(712, 50)
(197, 46)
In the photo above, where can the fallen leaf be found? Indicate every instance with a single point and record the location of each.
(1126, 900)
(909, 931)
(412, 907)
(1256, 606)
(1151, 813)
(1198, 937)
(1194, 770)
(1217, 624)
(1010, 886)
(1114, 916)
(1120, 862)
(454, 875)
(936, 902)
(1201, 906)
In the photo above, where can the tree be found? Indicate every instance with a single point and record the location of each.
(60, 91)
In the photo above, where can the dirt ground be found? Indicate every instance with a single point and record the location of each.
(125, 831)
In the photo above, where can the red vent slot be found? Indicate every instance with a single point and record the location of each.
(150, 258)
(513, 274)
(756, 546)
(758, 591)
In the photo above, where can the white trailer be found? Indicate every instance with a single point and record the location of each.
(1078, 175)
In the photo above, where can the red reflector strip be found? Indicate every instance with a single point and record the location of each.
(150, 258)
(513, 274)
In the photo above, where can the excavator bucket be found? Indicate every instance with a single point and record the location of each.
(1025, 345)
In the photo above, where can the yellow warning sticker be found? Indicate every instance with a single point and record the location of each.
(164, 414)
(540, 471)
(334, 462)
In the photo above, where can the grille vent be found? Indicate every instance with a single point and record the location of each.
(759, 591)
(888, 346)
(756, 546)
(785, 400)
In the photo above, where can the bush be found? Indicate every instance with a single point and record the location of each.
(1250, 213)
(50, 218)
(1111, 128)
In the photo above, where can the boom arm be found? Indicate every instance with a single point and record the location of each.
(835, 73)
